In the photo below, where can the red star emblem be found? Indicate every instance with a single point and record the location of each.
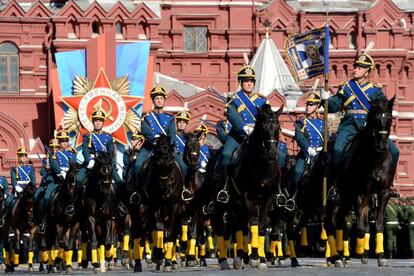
(111, 102)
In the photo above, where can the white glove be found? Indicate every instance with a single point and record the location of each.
(248, 130)
(202, 170)
(91, 164)
(63, 174)
(19, 189)
(203, 164)
(156, 136)
(325, 95)
(312, 152)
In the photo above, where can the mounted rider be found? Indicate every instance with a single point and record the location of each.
(154, 124)
(309, 136)
(241, 114)
(95, 143)
(182, 118)
(201, 133)
(354, 98)
(130, 155)
(22, 175)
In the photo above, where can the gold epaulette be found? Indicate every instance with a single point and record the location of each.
(376, 84)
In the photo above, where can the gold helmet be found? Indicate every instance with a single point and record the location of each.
(202, 128)
(137, 136)
(63, 135)
(246, 73)
(158, 90)
(365, 61)
(183, 116)
(314, 98)
(98, 114)
(22, 150)
(54, 143)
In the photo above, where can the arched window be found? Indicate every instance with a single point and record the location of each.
(96, 28)
(9, 68)
(118, 28)
(352, 40)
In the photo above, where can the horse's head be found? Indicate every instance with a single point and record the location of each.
(266, 132)
(70, 176)
(379, 122)
(103, 168)
(192, 151)
(164, 152)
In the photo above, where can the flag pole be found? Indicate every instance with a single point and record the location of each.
(325, 114)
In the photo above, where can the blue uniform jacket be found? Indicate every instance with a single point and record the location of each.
(102, 142)
(179, 142)
(4, 184)
(156, 124)
(26, 176)
(309, 133)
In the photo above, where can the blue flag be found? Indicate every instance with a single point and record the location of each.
(308, 53)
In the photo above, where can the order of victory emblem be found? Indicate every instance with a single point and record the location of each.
(112, 97)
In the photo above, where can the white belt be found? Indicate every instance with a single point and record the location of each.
(412, 222)
(392, 222)
(356, 111)
(23, 182)
(64, 169)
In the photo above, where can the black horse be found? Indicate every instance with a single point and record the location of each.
(99, 204)
(62, 217)
(367, 171)
(19, 222)
(257, 180)
(162, 205)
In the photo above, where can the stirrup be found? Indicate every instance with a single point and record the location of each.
(290, 205)
(70, 210)
(280, 200)
(41, 228)
(223, 196)
(209, 209)
(332, 193)
(122, 210)
(186, 195)
(135, 198)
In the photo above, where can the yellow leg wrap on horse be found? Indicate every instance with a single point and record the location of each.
(366, 241)
(60, 253)
(287, 250)
(272, 248)
(332, 245)
(15, 258)
(327, 250)
(346, 248)
(55, 254)
(4, 253)
(84, 251)
(113, 249)
(379, 243)
(239, 240)
(142, 252)
(131, 254)
(125, 243)
(254, 229)
(160, 239)
(136, 254)
(235, 247)
(101, 254)
(169, 250)
(210, 243)
(80, 255)
(360, 246)
(6, 258)
(261, 250)
(147, 248)
(174, 254)
(184, 232)
(94, 256)
(202, 250)
(154, 237)
(196, 252)
(68, 257)
(192, 247)
(44, 256)
(339, 234)
(109, 253)
(324, 237)
(246, 244)
(292, 249)
(279, 248)
(30, 257)
(303, 237)
(222, 247)
(50, 257)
